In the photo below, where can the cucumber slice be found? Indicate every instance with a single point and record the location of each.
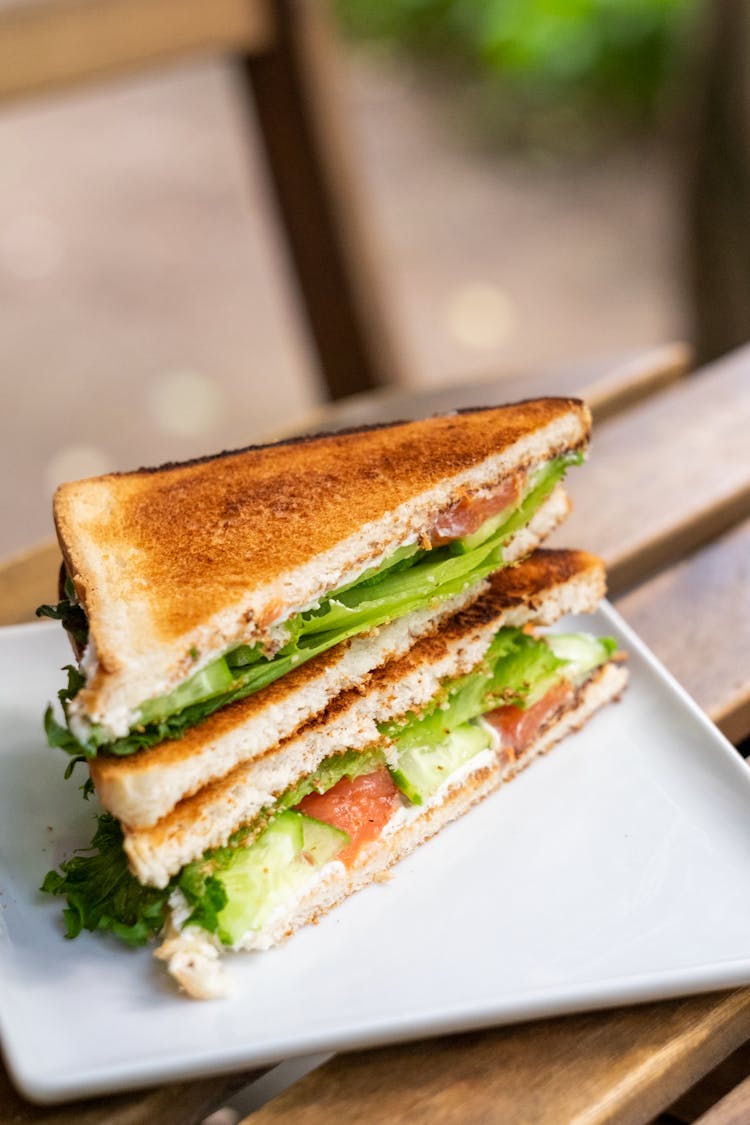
(215, 678)
(582, 652)
(539, 487)
(258, 877)
(322, 842)
(276, 866)
(487, 529)
(422, 770)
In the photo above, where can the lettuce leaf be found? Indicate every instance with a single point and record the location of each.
(71, 614)
(516, 670)
(525, 674)
(101, 892)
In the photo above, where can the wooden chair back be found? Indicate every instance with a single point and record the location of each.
(285, 54)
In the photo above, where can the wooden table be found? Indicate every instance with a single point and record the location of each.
(666, 501)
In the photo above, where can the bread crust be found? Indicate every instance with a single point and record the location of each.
(193, 558)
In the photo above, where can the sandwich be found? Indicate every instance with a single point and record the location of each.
(282, 837)
(193, 586)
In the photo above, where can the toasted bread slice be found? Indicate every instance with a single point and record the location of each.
(174, 566)
(194, 960)
(540, 590)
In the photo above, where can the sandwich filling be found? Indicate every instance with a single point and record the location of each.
(233, 895)
(464, 546)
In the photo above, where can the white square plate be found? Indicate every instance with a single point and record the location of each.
(615, 870)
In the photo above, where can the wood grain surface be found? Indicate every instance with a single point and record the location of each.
(27, 580)
(696, 618)
(180, 1103)
(667, 475)
(713, 1087)
(48, 44)
(622, 1066)
(608, 386)
(734, 1109)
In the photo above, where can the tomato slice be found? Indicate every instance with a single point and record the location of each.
(518, 727)
(360, 807)
(468, 515)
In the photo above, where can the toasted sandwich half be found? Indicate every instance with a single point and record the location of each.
(194, 585)
(278, 841)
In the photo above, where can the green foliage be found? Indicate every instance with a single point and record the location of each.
(206, 894)
(70, 613)
(58, 735)
(618, 52)
(102, 894)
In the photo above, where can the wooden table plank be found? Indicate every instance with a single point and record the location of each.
(666, 476)
(608, 386)
(55, 43)
(28, 579)
(734, 1109)
(617, 1067)
(696, 618)
(180, 1103)
(713, 1087)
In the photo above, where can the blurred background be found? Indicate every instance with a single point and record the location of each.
(531, 186)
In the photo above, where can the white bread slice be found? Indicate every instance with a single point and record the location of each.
(542, 589)
(199, 557)
(142, 788)
(193, 960)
